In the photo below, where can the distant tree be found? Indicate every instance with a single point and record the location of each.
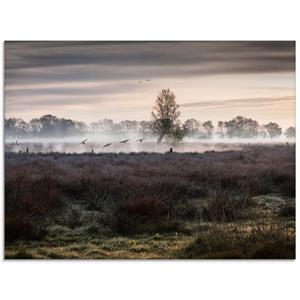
(250, 128)
(144, 127)
(220, 129)
(10, 127)
(177, 134)
(66, 127)
(273, 129)
(45, 126)
(80, 127)
(16, 127)
(36, 126)
(241, 127)
(49, 125)
(191, 127)
(209, 128)
(95, 127)
(116, 129)
(220, 125)
(106, 125)
(165, 114)
(262, 131)
(290, 132)
(128, 125)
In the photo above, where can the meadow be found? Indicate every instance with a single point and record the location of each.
(216, 204)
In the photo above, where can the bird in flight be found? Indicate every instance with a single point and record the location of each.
(123, 142)
(83, 142)
(140, 140)
(141, 81)
(107, 145)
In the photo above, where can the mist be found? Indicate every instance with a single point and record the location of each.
(52, 134)
(96, 143)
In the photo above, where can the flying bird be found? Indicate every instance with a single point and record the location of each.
(107, 145)
(83, 142)
(140, 140)
(141, 81)
(125, 141)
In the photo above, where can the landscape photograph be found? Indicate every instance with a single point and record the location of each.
(149, 150)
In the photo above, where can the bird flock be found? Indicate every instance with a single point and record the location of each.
(120, 142)
(84, 142)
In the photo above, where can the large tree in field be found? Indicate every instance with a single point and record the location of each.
(165, 114)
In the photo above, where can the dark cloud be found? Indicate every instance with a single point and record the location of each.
(215, 57)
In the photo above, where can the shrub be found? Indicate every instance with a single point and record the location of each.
(140, 192)
(219, 242)
(222, 207)
(278, 249)
(29, 201)
(210, 242)
(143, 214)
(288, 210)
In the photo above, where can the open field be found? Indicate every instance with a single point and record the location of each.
(227, 204)
(70, 146)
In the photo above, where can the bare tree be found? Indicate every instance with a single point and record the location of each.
(165, 114)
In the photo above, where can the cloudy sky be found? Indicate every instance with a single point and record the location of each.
(89, 81)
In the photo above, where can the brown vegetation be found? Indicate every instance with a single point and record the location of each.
(110, 195)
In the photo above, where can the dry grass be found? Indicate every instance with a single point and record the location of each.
(139, 247)
(273, 241)
(109, 196)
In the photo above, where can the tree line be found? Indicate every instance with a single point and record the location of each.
(164, 124)
(45, 126)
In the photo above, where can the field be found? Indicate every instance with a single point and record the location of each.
(216, 204)
(70, 146)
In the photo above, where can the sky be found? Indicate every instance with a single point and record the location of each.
(89, 81)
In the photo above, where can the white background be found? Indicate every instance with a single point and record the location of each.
(144, 20)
